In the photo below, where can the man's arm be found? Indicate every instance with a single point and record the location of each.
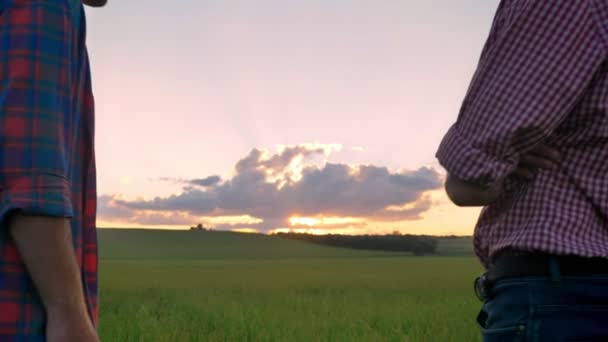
(466, 194)
(36, 150)
(45, 245)
(535, 66)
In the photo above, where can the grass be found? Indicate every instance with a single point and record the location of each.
(196, 286)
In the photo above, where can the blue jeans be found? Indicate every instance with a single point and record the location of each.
(537, 309)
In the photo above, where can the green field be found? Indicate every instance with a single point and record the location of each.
(220, 286)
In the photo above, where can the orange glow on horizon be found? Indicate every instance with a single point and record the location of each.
(443, 218)
(313, 231)
(324, 221)
(231, 220)
(245, 230)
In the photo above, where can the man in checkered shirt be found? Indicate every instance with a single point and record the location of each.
(48, 242)
(530, 145)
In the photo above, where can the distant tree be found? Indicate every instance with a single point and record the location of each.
(418, 245)
(198, 227)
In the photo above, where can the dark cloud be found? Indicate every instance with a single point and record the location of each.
(204, 182)
(333, 190)
(209, 181)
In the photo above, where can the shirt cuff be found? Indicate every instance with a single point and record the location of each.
(470, 163)
(43, 194)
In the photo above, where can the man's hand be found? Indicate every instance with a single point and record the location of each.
(470, 195)
(541, 157)
(69, 325)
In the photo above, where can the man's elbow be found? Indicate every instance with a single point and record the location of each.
(453, 194)
(458, 200)
(462, 194)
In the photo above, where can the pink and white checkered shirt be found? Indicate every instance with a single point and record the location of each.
(542, 77)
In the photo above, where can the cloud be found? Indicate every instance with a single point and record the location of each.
(204, 182)
(276, 187)
(208, 181)
(109, 207)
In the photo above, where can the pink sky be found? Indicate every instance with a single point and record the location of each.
(185, 91)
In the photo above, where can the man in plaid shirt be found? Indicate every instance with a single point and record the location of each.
(530, 144)
(48, 244)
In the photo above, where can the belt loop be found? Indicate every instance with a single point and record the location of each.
(481, 286)
(554, 269)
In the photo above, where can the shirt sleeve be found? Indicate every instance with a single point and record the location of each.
(535, 65)
(35, 109)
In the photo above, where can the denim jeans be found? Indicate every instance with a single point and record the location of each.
(538, 309)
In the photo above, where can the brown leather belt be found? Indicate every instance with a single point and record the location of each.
(512, 264)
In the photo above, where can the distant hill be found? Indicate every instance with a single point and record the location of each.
(149, 244)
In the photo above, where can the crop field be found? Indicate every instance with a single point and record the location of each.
(221, 286)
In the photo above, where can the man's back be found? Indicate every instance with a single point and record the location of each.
(47, 163)
(541, 85)
(542, 77)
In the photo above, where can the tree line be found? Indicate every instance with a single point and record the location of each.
(416, 244)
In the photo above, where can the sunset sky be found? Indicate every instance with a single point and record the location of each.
(281, 114)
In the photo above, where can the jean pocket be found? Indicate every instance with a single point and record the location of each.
(515, 333)
(571, 323)
(510, 333)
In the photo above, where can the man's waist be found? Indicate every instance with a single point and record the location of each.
(515, 263)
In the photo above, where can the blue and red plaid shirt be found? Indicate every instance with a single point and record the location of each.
(542, 78)
(47, 162)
